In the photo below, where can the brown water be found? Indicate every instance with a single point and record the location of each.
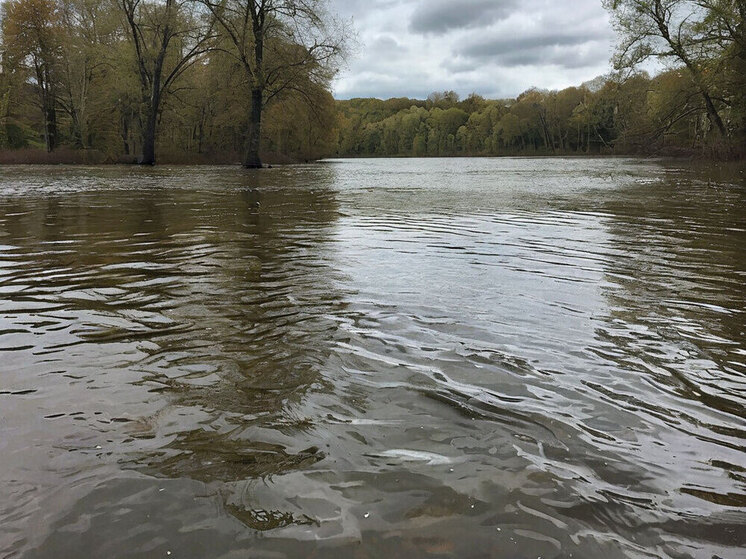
(410, 358)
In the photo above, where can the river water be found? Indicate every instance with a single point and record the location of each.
(374, 358)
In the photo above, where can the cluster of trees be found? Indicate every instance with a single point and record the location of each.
(698, 103)
(212, 80)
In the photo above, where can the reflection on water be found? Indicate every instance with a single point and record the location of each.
(466, 358)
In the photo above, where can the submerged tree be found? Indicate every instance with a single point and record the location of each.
(167, 38)
(281, 45)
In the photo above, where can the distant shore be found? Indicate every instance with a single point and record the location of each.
(93, 157)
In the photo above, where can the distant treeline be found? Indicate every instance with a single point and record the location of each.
(636, 115)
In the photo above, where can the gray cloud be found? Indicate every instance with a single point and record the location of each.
(459, 65)
(565, 57)
(570, 48)
(441, 16)
(492, 47)
(534, 40)
(386, 45)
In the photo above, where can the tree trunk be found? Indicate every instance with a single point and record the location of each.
(201, 131)
(252, 159)
(151, 117)
(50, 125)
(148, 138)
(48, 107)
(77, 130)
(713, 115)
(4, 113)
(125, 134)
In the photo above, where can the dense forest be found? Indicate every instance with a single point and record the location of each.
(249, 80)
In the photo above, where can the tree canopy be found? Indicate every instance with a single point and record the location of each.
(124, 79)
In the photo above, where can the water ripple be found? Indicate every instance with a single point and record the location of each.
(464, 358)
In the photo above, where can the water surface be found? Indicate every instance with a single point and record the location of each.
(404, 358)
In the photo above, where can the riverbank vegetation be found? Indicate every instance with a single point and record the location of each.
(202, 81)
(191, 80)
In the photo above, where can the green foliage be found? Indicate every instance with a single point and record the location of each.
(74, 64)
(538, 122)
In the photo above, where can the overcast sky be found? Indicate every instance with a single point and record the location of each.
(497, 48)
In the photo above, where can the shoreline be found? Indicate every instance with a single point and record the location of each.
(65, 159)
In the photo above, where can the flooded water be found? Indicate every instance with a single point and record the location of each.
(513, 358)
